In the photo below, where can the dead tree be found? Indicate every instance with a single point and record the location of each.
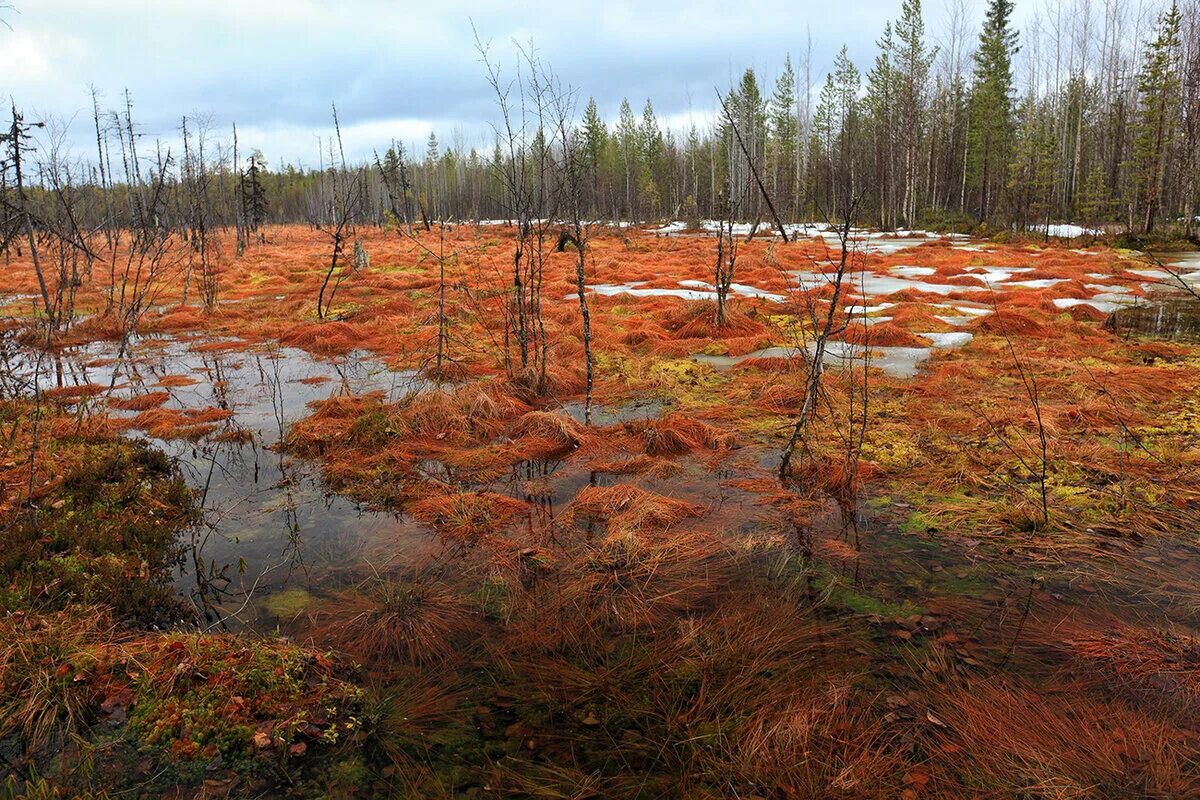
(529, 198)
(239, 203)
(753, 169)
(18, 140)
(572, 169)
(339, 224)
(824, 327)
(727, 248)
(195, 180)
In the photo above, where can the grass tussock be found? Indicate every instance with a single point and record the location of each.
(1158, 667)
(468, 515)
(630, 509)
(386, 622)
(677, 433)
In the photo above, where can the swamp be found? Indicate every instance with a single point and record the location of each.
(515, 476)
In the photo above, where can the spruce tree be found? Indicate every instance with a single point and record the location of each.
(627, 142)
(1158, 113)
(595, 139)
(783, 131)
(991, 123)
(650, 140)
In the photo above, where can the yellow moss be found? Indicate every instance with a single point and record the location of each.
(891, 454)
(287, 603)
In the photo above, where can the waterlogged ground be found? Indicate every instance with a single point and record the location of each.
(270, 524)
(541, 607)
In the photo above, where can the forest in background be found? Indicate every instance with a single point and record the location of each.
(1091, 115)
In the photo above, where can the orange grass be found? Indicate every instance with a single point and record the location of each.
(1045, 745)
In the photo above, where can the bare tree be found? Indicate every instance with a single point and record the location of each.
(727, 248)
(824, 327)
(579, 233)
(341, 212)
(525, 170)
(753, 169)
(18, 140)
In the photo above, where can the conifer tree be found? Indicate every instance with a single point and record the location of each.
(594, 139)
(627, 143)
(1158, 98)
(783, 130)
(990, 136)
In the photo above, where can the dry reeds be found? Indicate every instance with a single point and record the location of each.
(630, 509)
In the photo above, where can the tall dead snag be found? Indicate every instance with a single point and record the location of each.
(196, 180)
(238, 204)
(110, 232)
(824, 327)
(18, 140)
(339, 215)
(525, 169)
(573, 168)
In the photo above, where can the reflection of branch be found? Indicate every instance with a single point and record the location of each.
(1176, 276)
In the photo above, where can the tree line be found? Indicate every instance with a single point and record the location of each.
(1090, 115)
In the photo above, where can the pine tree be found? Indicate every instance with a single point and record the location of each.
(783, 131)
(595, 139)
(627, 141)
(1159, 101)
(1095, 201)
(991, 122)
(1032, 172)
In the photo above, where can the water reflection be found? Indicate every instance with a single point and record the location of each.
(269, 523)
(1175, 317)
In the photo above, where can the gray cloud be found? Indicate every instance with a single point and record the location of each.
(274, 66)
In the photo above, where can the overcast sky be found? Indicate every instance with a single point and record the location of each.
(401, 69)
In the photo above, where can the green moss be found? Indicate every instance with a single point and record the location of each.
(493, 597)
(110, 538)
(371, 429)
(226, 690)
(838, 594)
(288, 603)
(920, 522)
